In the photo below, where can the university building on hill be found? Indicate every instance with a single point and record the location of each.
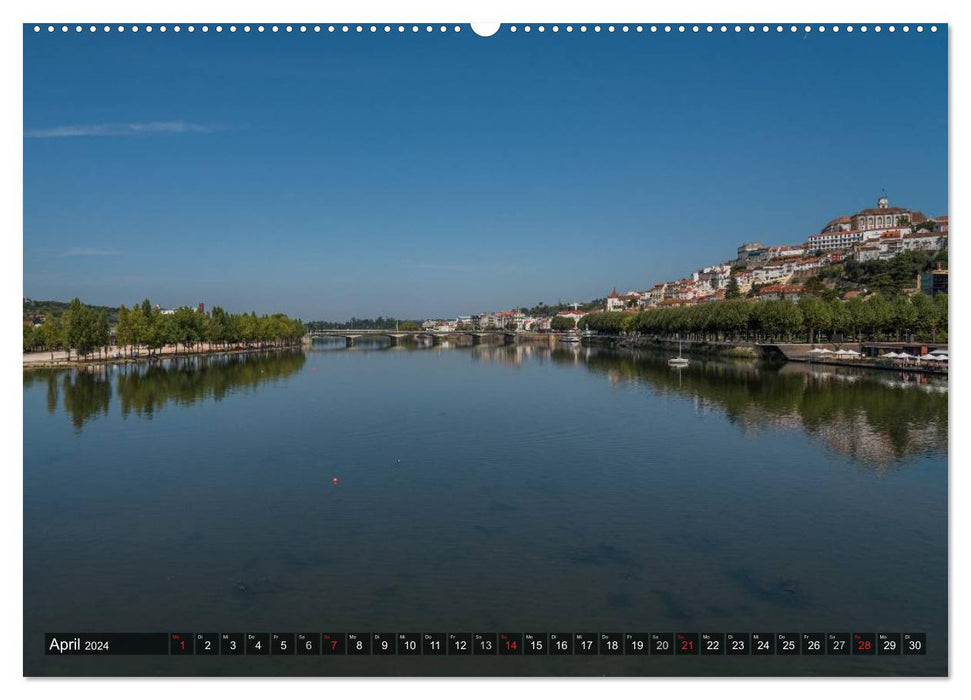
(866, 225)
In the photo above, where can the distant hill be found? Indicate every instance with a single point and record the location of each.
(36, 310)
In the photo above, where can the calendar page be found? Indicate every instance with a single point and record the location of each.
(515, 349)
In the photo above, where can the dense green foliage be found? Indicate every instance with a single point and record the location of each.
(82, 329)
(811, 319)
(34, 309)
(563, 323)
(887, 277)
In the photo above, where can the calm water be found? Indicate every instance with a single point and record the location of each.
(483, 489)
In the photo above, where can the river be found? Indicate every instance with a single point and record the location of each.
(487, 488)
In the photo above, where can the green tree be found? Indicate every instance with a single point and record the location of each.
(79, 329)
(138, 327)
(124, 334)
(217, 327)
(904, 317)
(925, 315)
(186, 327)
(940, 317)
(879, 315)
(839, 319)
(856, 312)
(101, 331)
(791, 320)
(563, 323)
(158, 330)
(31, 337)
(815, 316)
(52, 334)
(732, 291)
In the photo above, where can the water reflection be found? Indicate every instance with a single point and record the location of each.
(144, 389)
(876, 418)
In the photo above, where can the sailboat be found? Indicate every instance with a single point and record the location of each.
(678, 361)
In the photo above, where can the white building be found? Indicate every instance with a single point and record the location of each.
(771, 273)
(847, 231)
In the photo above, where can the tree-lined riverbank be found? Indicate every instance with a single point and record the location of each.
(47, 360)
(875, 318)
(147, 331)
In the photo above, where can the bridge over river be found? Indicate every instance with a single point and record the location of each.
(352, 335)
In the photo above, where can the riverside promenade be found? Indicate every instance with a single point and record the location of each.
(869, 354)
(48, 360)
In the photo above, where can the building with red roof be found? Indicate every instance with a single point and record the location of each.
(846, 231)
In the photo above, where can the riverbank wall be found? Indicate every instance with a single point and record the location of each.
(542, 338)
(741, 350)
(801, 352)
(42, 360)
(769, 352)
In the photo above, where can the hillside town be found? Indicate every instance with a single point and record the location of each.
(761, 271)
(836, 263)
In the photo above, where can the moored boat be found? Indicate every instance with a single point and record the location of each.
(678, 361)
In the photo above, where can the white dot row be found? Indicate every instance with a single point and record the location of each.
(667, 28)
(289, 28)
(751, 28)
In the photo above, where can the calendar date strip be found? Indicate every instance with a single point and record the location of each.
(488, 644)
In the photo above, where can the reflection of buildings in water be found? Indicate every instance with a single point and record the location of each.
(851, 435)
(755, 421)
(569, 355)
(512, 355)
(855, 437)
(849, 375)
(519, 353)
(871, 417)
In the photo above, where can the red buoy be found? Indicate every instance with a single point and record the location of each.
(336, 481)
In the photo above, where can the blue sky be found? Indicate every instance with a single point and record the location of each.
(425, 175)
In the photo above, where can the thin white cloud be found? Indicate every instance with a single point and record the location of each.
(88, 252)
(133, 129)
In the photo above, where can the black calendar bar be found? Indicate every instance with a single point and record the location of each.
(483, 644)
(108, 644)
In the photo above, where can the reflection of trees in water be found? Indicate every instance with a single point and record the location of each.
(145, 389)
(871, 417)
(48, 377)
(86, 391)
(874, 417)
